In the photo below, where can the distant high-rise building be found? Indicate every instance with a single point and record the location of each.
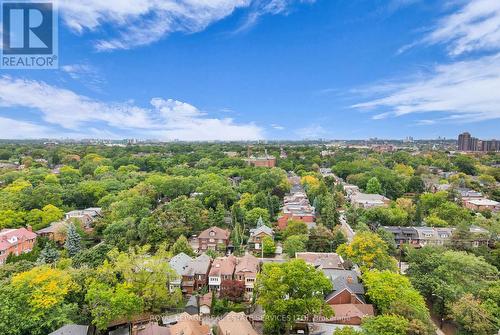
(491, 145)
(468, 143)
(464, 141)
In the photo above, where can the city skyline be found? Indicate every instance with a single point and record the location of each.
(263, 70)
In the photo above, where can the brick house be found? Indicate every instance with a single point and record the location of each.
(347, 300)
(246, 271)
(266, 161)
(222, 269)
(213, 238)
(16, 241)
(482, 204)
(296, 207)
(196, 274)
(235, 323)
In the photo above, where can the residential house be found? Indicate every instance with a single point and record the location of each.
(149, 328)
(403, 235)
(347, 288)
(179, 263)
(467, 193)
(222, 269)
(235, 324)
(74, 330)
(213, 238)
(205, 304)
(422, 236)
(347, 300)
(192, 307)
(55, 232)
(246, 271)
(196, 275)
(443, 235)
(351, 314)
(85, 216)
(322, 260)
(364, 200)
(482, 204)
(257, 235)
(480, 236)
(264, 161)
(15, 241)
(350, 189)
(297, 207)
(440, 187)
(189, 325)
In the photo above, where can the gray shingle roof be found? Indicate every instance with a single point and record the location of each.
(180, 263)
(71, 330)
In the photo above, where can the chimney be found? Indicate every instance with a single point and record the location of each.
(29, 228)
(349, 280)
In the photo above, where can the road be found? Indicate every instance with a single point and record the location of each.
(348, 231)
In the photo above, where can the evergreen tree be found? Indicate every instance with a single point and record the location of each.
(238, 235)
(73, 241)
(48, 255)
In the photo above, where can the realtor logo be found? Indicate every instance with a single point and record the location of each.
(29, 35)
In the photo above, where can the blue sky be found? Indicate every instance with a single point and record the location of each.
(263, 69)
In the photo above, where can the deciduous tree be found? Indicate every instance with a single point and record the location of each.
(290, 291)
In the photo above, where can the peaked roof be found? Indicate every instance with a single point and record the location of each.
(345, 280)
(180, 262)
(215, 233)
(189, 325)
(262, 229)
(322, 260)
(223, 266)
(53, 228)
(21, 234)
(199, 265)
(206, 300)
(347, 311)
(248, 263)
(71, 330)
(236, 324)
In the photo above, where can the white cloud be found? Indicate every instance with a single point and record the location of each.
(21, 129)
(87, 74)
(143, 22)
(268, 7)
(464, 91)
(137, 23)
(165, 119)
(475, 26)
(277, 127)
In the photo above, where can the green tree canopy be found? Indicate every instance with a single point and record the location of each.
(289, 291)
